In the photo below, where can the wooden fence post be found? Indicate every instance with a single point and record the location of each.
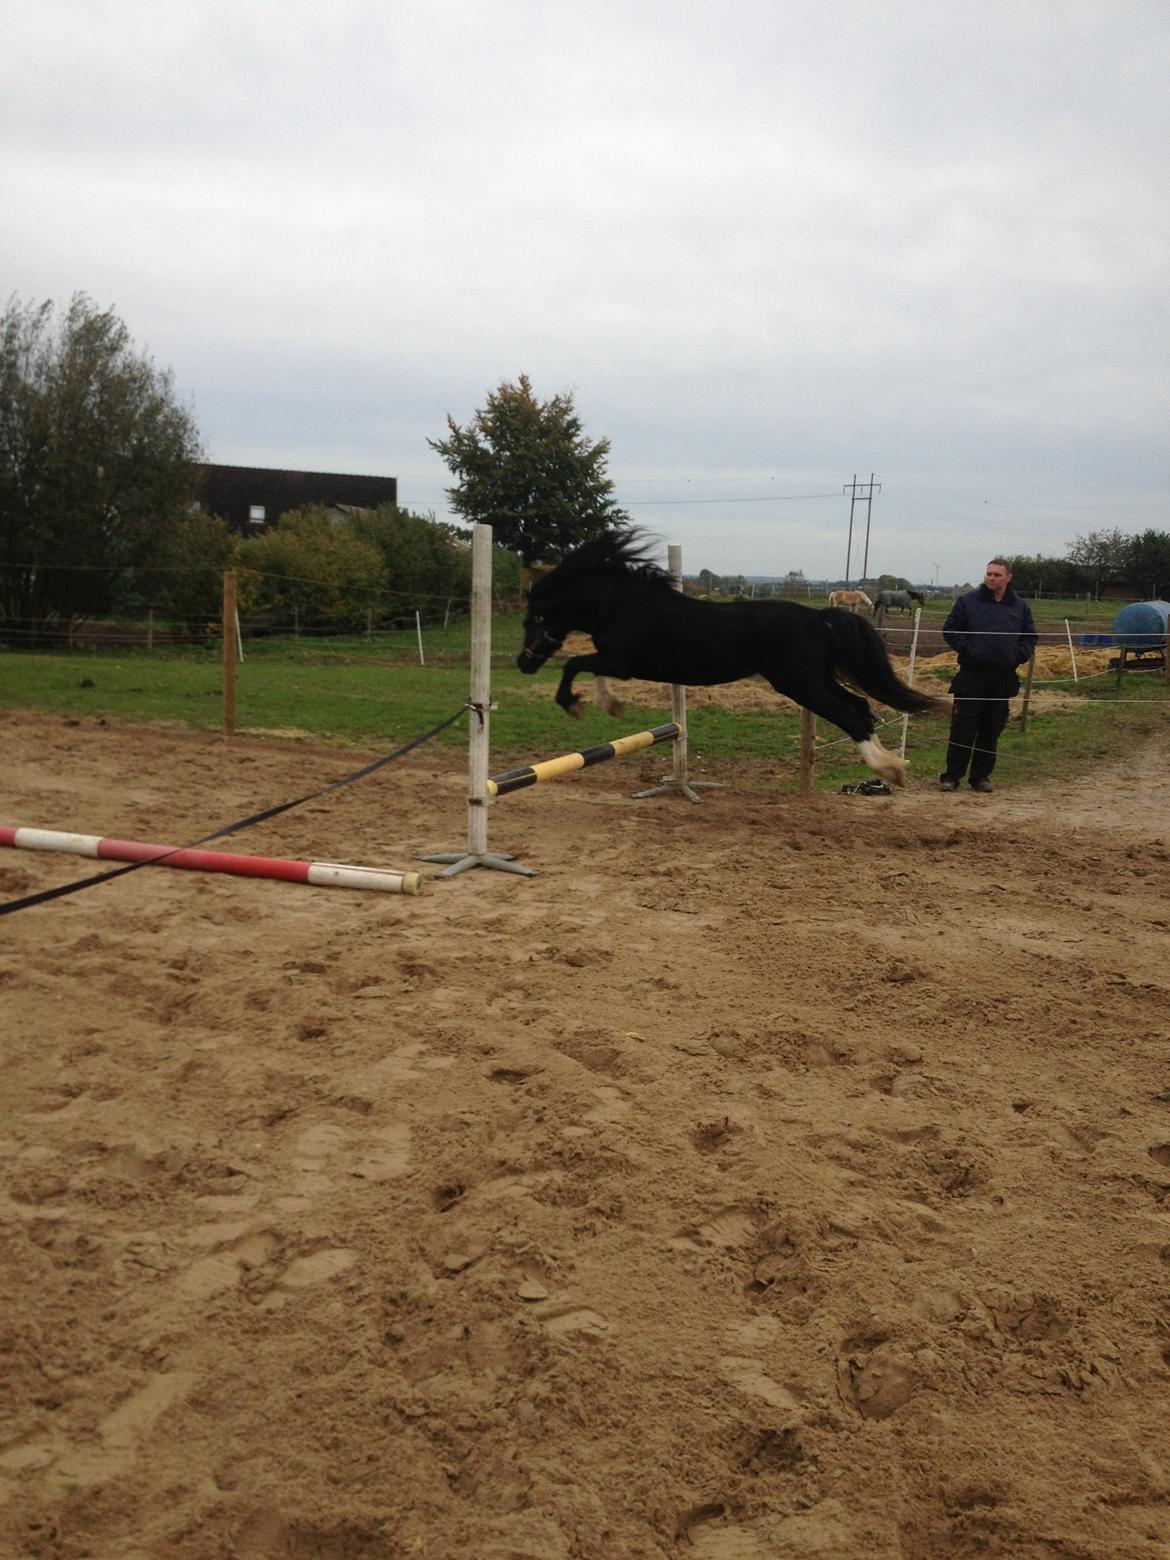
(1028, 691)
(808, 741)
(229, 652)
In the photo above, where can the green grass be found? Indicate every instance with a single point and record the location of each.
(350, 702)
(374, 696)
(1051, 611)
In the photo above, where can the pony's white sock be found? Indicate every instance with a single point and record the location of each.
(884, 763)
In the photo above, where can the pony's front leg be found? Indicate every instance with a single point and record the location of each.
(569, 701)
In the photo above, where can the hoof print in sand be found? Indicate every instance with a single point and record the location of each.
(877, 1384)
(514, 1073)
(325, 1153)
(751, 1379)
(730, 1229)
(224, 1269)
(565, 1316)
(121, 1434)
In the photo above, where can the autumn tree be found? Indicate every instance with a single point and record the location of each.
(97, 457)
(526, 468)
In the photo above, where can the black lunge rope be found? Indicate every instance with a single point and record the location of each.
(232, 828)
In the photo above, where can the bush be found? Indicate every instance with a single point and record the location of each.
(187, 585)
(312, 570)
(428, 563)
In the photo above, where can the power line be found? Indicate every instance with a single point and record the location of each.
(671, 503)
(771, 498)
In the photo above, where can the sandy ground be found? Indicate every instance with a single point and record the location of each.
(767, 1178)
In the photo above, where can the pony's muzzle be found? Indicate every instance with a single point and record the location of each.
(536, 652)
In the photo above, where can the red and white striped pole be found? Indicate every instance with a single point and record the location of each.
(322, 874)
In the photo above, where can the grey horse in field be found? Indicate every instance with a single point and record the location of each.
(902, 599)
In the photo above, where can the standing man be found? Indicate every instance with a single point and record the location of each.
(993, 632)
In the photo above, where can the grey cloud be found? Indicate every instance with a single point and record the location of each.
(760, 244)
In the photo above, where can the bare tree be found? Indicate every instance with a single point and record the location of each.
(1101, 554)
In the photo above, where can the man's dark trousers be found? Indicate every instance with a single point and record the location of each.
(979, 715)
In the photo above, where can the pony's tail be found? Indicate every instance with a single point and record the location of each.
(859, 655)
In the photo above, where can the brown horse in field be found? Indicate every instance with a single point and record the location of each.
(851, 599)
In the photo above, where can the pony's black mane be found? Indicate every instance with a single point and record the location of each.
(626, 552)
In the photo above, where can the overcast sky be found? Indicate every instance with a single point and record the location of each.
(766, 246)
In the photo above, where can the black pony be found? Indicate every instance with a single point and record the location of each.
(642, 627)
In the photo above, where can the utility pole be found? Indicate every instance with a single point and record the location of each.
(859, 492)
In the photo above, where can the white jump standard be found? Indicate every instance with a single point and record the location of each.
(480, 705)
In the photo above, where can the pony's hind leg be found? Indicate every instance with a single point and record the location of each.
(851, 713)
(606, 699)
(883, 763)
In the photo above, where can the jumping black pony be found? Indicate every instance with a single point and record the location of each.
(642, 627)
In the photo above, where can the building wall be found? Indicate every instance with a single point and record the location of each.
(249, 499)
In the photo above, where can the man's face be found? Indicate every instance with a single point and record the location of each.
(996, 579)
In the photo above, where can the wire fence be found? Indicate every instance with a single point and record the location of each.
(399, 634)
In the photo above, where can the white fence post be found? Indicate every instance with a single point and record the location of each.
(910, 674)
(678, 780)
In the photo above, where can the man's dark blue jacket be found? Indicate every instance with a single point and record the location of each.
(990, 635)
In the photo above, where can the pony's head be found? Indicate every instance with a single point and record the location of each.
(570, 596)
(544, 634)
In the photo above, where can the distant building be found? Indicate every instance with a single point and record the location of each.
(249, 499)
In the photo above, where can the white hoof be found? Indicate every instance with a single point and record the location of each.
(884, 763)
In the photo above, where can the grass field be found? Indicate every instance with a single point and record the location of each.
(371, 694)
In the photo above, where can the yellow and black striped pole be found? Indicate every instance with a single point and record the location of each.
(551, 768)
